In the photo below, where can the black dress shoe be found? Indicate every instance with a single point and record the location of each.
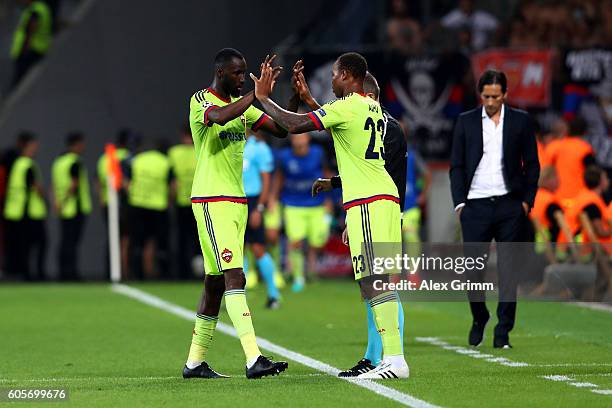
(477, 333)
(502, 343)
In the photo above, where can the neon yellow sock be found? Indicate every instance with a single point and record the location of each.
(296, 257)
(238, 311)
(202, 337)
(385, 310)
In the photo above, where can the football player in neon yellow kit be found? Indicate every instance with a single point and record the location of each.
(369, 194)
(219, 118)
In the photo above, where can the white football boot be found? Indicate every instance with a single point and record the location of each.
(391, 367)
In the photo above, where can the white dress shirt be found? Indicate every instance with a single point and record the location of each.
(488, 180)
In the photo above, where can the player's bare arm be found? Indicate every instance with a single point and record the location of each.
(229, 112)
(292, 122)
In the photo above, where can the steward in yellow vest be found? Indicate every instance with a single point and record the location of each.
(149, 175)
(183, 162)
(72, 203)
(25, 211)
(32, 38)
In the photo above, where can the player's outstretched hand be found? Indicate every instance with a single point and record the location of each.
(298, 82)
(321, 185)
(267, 78)
(345, 239)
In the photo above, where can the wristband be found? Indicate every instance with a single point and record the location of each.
(336, 182)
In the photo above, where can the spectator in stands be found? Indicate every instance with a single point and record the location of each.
(546, 204)
(570, 156)
(590, 202)
(32, 37)
(481, 23)
(405, 33)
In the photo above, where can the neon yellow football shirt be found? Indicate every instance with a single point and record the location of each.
(219, 149)
(358, 127)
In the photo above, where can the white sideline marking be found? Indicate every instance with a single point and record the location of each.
(471, 352)
(595, 306)
(602, 392)
(579, 384)
(583, 384)
(509, 363)
(562, 378)
(382, 390)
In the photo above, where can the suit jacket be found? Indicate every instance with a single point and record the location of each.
(521, 169)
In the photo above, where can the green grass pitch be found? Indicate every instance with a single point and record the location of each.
(112, 351)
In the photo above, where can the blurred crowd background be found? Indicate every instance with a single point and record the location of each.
(109, 71)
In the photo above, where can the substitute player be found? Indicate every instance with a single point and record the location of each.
(219, 118)
(369, 194)
(395, 164)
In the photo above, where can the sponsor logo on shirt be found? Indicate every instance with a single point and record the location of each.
(232, 136)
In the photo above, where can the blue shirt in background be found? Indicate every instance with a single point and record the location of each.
(257, 159)
(300, 172)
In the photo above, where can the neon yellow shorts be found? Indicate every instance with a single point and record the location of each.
(272, 218)
(221, 227)
(307, 223)
(374, 233)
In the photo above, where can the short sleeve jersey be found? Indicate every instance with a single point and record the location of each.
(299, 173)
(219, 149)
(358, 127)
(257, 159)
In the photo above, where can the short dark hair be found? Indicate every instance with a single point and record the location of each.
(24, 137)
(370, 85)
(74, 138)
(577, 127)
(492, 77)
(353, 63)
(226, 55)
(592, 176)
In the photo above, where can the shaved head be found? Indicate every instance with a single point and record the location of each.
(370, 86)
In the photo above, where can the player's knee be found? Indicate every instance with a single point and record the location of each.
(258, 250)
(234, 279)
(272, 236)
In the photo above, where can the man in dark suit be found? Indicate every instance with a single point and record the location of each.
(494, 178)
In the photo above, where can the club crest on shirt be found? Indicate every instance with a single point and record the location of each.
(227, 255)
